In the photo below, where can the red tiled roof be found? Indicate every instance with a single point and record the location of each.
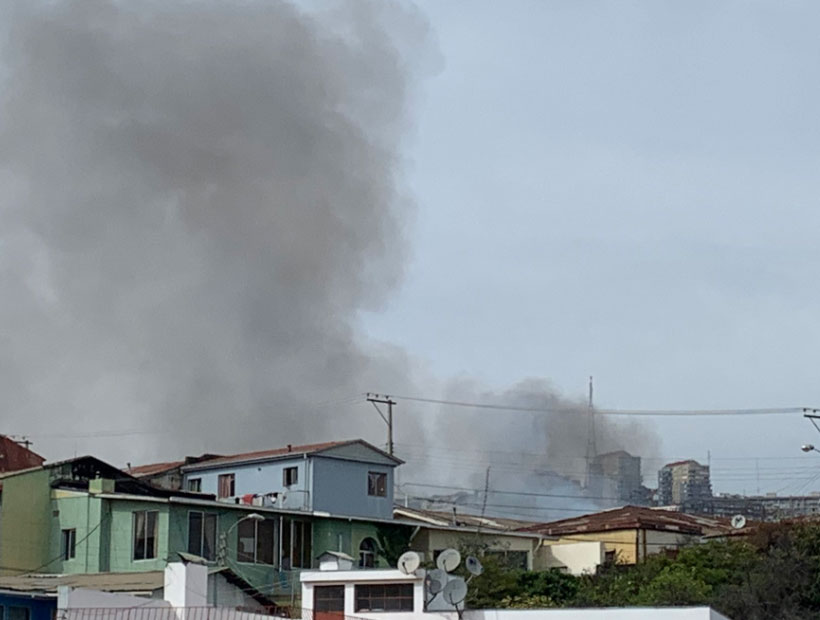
(154, 468)
(14, 457)
(628, 518)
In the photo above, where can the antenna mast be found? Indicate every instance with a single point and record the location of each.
(592, 449)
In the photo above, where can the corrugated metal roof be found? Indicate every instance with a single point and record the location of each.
(154, 468)
(443, 518)
(106, 582)
(632, 517)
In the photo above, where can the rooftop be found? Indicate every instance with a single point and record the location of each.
(133, 582)
(287, 451)
(632, 517)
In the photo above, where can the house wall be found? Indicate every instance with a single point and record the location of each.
(340, 487)
(429, 541)
(39, 608)
(26, 519)
(87, 515)
(344, 536)
(632, 545)
(577, 558)
(262, 478)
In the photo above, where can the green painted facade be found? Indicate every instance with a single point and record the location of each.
(33, 517)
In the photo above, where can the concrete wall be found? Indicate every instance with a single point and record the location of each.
(261, 478)
(26, 519)
(340, 487)
(578, 558)
(85, 514)
(344, 536)
(632, 546)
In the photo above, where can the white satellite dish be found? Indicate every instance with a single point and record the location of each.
(448, 560)
(455, 591)
(473, 565)
(738, 521)
(435, 580)
(409, 562)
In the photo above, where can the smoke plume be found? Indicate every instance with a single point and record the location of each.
(197, 201)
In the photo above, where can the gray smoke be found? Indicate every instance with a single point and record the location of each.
(197, 200)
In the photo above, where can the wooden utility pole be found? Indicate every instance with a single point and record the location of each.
(383, 399)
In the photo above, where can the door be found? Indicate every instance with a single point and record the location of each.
(328, 602)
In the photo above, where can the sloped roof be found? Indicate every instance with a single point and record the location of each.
(107, 582)
(287, 451)
(154, 468)
(632, 517)
(444, 518)
(14, 457)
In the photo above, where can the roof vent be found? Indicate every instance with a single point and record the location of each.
(290, 447)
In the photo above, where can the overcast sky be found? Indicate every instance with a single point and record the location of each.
(627, 190)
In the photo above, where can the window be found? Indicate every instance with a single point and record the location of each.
(376, 484)
(296, 544)
(367, 553)
(226, 485)
(202, 535)
(384, 597)
(256, 541)
(290, 476)
(145, 534)
(18, 613)
(68, 544)
(195, 485)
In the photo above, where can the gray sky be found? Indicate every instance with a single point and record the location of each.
(628, 190)
(221, 223)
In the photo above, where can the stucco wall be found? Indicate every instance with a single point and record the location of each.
(577, 558)
(261, 478)
(24, 540)
(631, 546)
(340, 488)
(428, 541)
(85, 514)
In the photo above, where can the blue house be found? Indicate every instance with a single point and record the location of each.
(351, 478)
(26, 606)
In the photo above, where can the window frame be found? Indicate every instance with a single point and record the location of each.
(68, 545)
(368, 553)
(403, 601)
(290, 476)
(242, 556)
(374, 489)
(194, 482)
(219, 484)
(206, 518)
(10, 608)
(145, 538)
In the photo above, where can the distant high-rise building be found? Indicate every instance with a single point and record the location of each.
(617, 473)
(683, 481)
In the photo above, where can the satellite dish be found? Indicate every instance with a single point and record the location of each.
(473, 565)
(448, 560)
(455, 591)
(435, 579)
(738, 521)
(409, 562)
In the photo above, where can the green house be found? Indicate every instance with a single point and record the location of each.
(85, 516)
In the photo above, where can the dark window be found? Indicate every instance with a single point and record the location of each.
(367, 553)
(256, 541)
(68, 544)
(226, 485)
(202, 534)
(145, 534)
(376, 484)
(290, 476)
(195, 485)
(296, 544)
(18, 613)
(329, 598)
(384, 597)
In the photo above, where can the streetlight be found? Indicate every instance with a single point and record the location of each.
(223, 537)
(807, 447)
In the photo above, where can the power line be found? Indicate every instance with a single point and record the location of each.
(623, 412)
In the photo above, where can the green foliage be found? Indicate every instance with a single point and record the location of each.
(393, 540)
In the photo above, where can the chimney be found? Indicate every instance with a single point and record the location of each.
(290, 447)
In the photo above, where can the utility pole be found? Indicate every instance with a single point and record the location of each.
(383, 399)
(592, 449)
